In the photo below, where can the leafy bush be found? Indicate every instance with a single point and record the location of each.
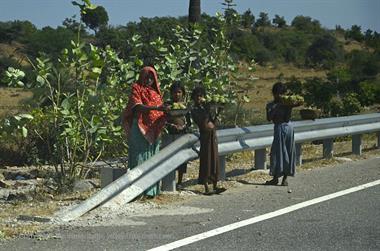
(324, 52)
(351, 104)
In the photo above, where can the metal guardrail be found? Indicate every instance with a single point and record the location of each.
(257, 138)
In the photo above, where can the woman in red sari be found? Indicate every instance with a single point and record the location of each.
(143, 120)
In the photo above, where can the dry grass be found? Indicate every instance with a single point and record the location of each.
(14, 51)
(12, 100)
(11, 227)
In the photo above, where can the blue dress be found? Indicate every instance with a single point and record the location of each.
(283, 154)
(139, 150)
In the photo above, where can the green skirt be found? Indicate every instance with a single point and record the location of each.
(140, 150)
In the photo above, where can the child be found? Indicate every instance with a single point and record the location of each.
(209, 160)
(176, 126)
(282, 158)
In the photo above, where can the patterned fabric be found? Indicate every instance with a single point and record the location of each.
(150, 123)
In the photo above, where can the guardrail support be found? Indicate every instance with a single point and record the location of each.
(357, 144)
(222, 166)
(260, 158)
(168, 182)
(298, 154)
(328, 148)
(378, 140)
(110, 174)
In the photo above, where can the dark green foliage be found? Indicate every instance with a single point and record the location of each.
(285, 45)
(324, 52)
(50, 41)
(306, 24)
(363, 64)
(16, 31)
(73, 25)
(279, 21)
(351, 104)
(318, 93)
(95, 18)
(369, 92)
(247, 19)
(245, 45)
(263, 20)
(355, 33)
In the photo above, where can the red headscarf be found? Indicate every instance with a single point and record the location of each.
(151, 122)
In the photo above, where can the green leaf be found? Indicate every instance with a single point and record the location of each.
(24, 132)
(66, 104)
(26, 116)
(97, 70)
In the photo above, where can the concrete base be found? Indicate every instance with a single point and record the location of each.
(108, 175)
(168, 182)
(260, 158)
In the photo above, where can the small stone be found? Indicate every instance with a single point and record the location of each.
(290, 191)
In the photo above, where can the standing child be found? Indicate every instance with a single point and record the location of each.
(283, 155)
(209, 160)
(176, 126)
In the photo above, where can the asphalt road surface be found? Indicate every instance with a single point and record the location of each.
(341, 222)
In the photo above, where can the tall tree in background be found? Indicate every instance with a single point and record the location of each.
(195, 11)
(263, 20)
(248, 19)
(95, 18)
(231, 15)
(279, 21)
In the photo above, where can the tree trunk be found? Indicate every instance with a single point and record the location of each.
(195, 11)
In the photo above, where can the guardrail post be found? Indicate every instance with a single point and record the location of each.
(260, 158)
(357, 144)
(378, 140)
(298, 154)
(328, 147)
(110, 174)
(222, 167)
(168, 182)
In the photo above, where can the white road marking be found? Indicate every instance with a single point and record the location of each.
(239, 224)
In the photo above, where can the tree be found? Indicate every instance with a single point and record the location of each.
(16, 30)
(95, 18)
(355, 33)
(323, 52)
(247, 19)
(231, 15)
(263, 20)
(49, 41)
(194, 11)
(306, 24)
(73, 25)
(279, 21)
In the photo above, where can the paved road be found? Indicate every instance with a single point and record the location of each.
(349, 222)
